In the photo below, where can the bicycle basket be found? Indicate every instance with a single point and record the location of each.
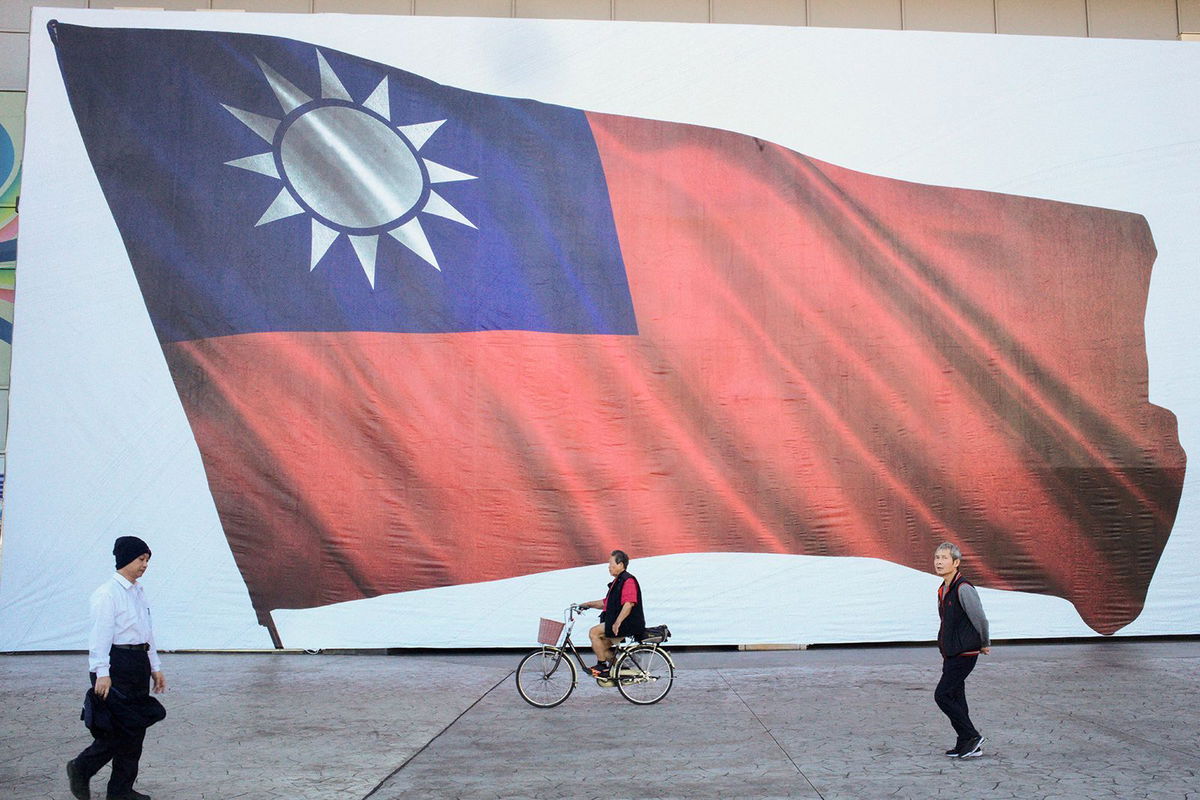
(549, 630)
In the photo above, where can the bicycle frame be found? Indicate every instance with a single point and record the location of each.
(544, 685)
(568, 646)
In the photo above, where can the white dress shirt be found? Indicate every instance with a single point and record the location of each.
(120, 615)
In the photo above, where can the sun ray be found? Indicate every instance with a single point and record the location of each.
(284, 206)
(322, 237)
(365, 247)
(290, 98)
(263, 164)
(419, 134)
(378, 101)
(264, 126)
(412, 236)
(439, 173)
(438, 205)
(331, 84)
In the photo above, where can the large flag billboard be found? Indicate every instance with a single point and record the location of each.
(406, 330)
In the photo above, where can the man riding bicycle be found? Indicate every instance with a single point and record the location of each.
(621, 613)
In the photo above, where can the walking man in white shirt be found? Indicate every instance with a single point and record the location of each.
(122, 660)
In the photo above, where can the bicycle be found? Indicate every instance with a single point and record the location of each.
(642, 671)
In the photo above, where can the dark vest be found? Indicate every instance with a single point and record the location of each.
(635, 624)
(956, 634)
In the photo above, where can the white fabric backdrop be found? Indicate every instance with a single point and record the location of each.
(99, 445)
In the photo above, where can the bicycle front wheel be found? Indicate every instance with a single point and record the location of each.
(545, 677)
(644, 675)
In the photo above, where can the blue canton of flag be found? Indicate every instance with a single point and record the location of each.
(261, 184)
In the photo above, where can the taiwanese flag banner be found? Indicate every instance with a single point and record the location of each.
(427, 337)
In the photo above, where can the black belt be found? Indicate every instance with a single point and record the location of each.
(143, 646)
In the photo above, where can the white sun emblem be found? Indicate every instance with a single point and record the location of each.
(349, 168)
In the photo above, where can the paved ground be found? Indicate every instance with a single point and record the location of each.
(1111, 719)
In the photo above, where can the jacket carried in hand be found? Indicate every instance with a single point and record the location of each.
(120, 713)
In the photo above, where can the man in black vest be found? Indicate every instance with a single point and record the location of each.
(621, 613)
(962, 636)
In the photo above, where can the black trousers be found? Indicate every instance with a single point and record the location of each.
(130, 673)
(951, 694)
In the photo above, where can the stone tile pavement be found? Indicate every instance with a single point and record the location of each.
(1109, 719)
(257, 727)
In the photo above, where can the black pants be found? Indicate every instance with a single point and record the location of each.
(130, 673)
(951, 694)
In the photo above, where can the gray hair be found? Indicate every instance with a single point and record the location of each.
(952, 548)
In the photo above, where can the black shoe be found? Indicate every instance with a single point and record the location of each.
(79, 784)
(599, 669)
(972, 748)
(953, 751)
(130, 795)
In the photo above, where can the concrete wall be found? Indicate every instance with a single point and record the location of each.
(1137, 19)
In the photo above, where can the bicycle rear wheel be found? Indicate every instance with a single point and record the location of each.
(545, 677)
(644, 675)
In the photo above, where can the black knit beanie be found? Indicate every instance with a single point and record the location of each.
(127, 548)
